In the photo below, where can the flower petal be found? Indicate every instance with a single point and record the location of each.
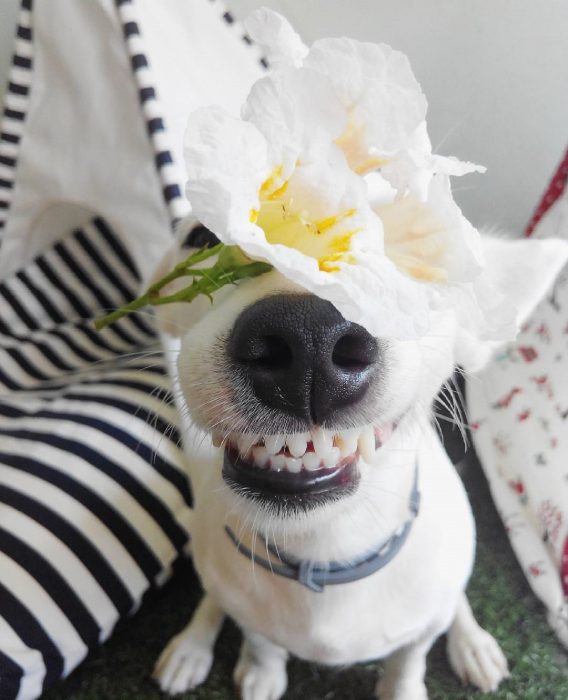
(282, 45)
(327, 186)
(379, 190)
(412, 169)
(284, 184)
(432, 241)
(226, 162)
(378, 88)
(449, 165)
(298, 113)
(372, 293)
(464, 257)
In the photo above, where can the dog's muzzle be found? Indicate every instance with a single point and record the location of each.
(301, 360)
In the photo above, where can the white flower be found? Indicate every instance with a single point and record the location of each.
(285, 183)
(281, 189)
(432, 241)
(383, 101)
(281, 44)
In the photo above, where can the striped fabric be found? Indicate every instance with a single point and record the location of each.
(15, 107)
(230, 21)
(95, 505)
(140, 64)
(94, 500)
(149, 101)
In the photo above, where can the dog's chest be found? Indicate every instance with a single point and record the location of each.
(344, 624)
(351, 622)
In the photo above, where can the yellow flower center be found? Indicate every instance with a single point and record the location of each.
(319, 239)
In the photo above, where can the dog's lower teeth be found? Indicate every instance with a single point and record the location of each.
(332, 458)
(293, 464)
(277, 462)
(311, 461)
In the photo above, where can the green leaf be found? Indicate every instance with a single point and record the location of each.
(231, 266)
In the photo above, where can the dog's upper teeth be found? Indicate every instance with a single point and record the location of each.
(217, 439)
(291, 453)
(323, 442)
(260, 455)
(245, 442)
(347, 442)
(274, 443)
(298, 444)
(366, 444)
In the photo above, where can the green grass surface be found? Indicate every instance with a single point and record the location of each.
(499, 594)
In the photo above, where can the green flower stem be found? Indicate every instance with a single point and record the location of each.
(231, 266)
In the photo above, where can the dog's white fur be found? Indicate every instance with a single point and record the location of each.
(395, 614)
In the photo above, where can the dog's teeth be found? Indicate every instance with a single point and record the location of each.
(274, 443)
(277, 462)
(323, 442)
(332, 458)
(367, 445)
(347, 442)
(298, 443)
(245, 443)
(293, 464)
(260, 456)
(217, 439)
(311, 461)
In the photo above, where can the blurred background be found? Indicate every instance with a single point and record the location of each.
(495, 75)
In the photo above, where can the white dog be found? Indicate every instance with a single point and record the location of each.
(329, 522)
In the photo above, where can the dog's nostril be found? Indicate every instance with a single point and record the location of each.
(268, 351)
(354, 352)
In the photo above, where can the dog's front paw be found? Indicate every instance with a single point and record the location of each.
(476, 658)
(184, 664)
(258, 681)
(402, 690)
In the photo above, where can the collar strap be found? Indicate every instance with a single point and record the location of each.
(317, 575)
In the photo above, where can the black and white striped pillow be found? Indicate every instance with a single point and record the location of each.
(94, 499)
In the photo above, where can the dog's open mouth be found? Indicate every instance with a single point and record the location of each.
(303, 464)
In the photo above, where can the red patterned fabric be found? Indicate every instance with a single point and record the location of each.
(564, 568)
(519, 418)
(553, 192)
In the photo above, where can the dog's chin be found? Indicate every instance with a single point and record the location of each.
(291, 475)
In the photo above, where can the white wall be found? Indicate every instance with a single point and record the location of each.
(495, 73)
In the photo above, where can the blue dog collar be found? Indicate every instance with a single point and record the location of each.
(317, 575)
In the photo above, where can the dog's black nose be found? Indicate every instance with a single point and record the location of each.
(302, 357)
